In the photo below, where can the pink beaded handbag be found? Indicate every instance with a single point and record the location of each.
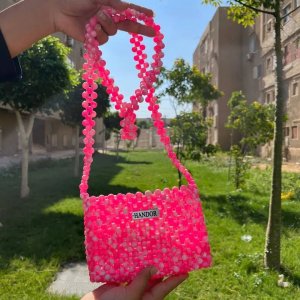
(125, 233)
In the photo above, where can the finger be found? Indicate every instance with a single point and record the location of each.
(101, 35)
(133, 27)
(153, 282)
(162, 289)
(120, 5)
(98, 292)
(107, 23)
(138, 286)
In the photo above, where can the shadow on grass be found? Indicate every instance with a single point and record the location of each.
(236, 207)
(294, 279)
(30, 230)
(242, 210)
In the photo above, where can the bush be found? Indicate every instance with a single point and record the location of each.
(259, 181)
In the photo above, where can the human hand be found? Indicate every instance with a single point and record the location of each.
(141, 288)
(71, 16)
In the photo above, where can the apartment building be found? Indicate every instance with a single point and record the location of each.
(49, 133)
(243, 59)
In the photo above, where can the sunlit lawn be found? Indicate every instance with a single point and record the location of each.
(40, 234)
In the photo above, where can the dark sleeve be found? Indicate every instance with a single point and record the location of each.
(9, 68)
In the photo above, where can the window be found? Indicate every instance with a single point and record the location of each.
(285, 11)
(269, 25)
(287, 54)
(268, 98)
(204, 47)
(286, 131)
(54, 140)
(252, 43)
(273, 95)
(257, 72)
(274, 62)
(65, 140)
(294, 132)
(269, 64)
(295, 89)
(69, 41)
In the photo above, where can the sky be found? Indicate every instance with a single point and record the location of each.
(182, 23)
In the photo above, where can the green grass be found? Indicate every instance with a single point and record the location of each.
(45, 231)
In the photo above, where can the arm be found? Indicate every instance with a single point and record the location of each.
(24, 23)
(30, 20)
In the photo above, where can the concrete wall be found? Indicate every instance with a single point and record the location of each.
(219, 52)
(9, 141)
(58, 136)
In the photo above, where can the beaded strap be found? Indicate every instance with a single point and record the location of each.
(95, 69)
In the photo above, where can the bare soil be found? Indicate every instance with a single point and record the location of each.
(286, 167)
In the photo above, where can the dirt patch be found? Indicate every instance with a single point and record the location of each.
(286, 167)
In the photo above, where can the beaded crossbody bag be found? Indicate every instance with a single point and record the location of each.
(125, 233)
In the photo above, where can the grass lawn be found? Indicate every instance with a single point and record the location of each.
(40, 234)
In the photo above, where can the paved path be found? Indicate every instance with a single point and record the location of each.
(73, 280)
(9, 161)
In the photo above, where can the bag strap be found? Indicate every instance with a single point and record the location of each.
(94, 70)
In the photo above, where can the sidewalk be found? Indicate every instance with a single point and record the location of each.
(73, 279)
(9, 161)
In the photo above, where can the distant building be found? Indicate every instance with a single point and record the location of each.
(243, 59)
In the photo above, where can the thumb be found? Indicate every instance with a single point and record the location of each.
(138, 286)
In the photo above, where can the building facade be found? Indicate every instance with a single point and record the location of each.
(243, 59)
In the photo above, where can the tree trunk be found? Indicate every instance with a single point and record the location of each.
(118, 140)
(272, 246)
(204, 112)
(179, 157)
(25, 137)
(76, 165)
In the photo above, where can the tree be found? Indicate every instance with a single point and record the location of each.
(112, 126)
(188, 85)
(255, 122)
(188, 133)
(46, 73)
(71, 113)
(144, 124)
(244, 12)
